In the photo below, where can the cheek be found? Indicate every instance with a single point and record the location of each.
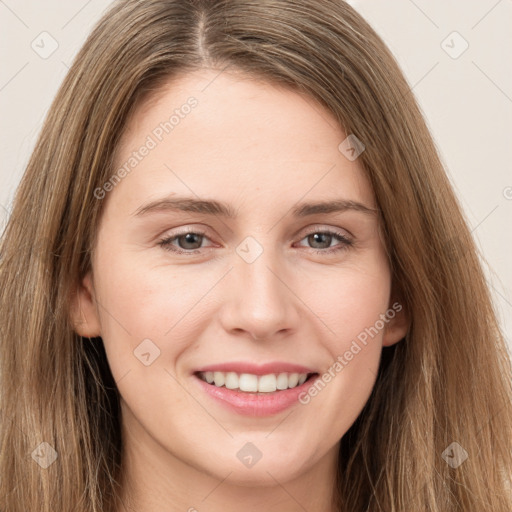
(351, 368)
(140, 308)
(137, 303)
(351, 307)
(348, 300)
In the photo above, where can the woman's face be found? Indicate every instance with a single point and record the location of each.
(269, 283)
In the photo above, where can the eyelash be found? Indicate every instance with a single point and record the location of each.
(165, 243)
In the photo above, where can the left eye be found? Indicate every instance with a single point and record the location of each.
(324, 239)
(190, 242)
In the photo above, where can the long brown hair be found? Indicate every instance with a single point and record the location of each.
(449, 381)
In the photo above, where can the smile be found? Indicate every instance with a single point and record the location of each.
(255, 390)
(251, 383)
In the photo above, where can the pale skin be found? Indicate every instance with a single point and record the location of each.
(262, 150)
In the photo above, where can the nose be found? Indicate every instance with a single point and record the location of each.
(261, 302)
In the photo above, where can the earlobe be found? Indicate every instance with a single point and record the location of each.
(83, 311)
(397, 325)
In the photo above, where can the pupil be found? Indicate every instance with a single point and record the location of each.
(189, 239)
(317, 237)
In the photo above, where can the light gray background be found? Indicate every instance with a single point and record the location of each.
(466, 98)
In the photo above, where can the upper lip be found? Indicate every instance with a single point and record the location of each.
(257, 369)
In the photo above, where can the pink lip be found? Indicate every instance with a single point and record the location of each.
(256, 404)
(261, 369)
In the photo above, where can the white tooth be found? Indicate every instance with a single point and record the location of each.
(282, 381)
(293, 379)
(267, 383)
(252, 383)
(248, 382)
(218, 378)
(231, 380)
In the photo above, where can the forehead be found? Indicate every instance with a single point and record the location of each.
(212, 133)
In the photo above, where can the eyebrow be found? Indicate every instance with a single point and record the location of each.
(217, 208)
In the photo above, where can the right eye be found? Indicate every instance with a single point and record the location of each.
(188, 242)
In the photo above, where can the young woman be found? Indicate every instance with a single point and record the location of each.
(236, 276)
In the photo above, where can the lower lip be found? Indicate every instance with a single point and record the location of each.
(256, 404)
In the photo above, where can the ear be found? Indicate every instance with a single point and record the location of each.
(397, 324)
(84, 314)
